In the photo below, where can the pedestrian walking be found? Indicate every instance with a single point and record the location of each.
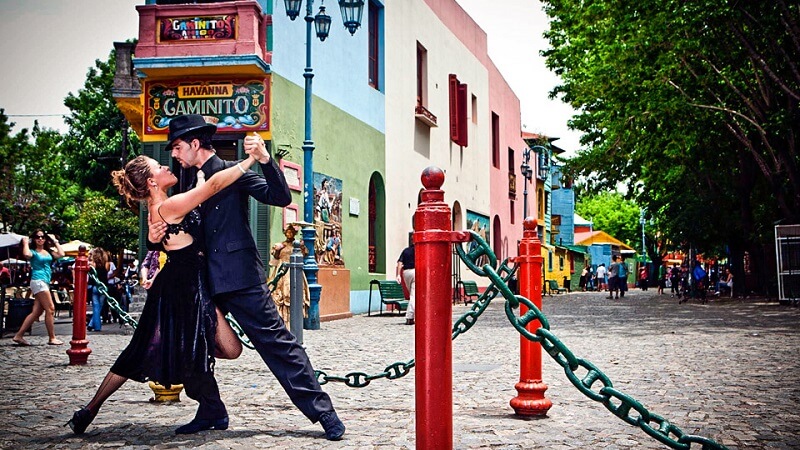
(613, 276)
(405, 273)
(45, 249)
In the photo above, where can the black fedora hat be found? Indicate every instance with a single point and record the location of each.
(181, 125)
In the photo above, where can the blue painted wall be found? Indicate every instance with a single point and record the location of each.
(564, 206)
(601, 254)
(340, 64)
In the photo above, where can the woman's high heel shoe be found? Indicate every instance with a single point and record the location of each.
(81, 420)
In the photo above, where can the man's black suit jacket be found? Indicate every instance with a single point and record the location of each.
(233, 259)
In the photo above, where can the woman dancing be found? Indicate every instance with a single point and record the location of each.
(180, 331)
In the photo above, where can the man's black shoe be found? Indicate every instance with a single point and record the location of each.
(203, 424)
(334, 428)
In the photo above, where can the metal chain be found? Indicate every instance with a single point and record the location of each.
(616, 401)
(401, 369)
(283, 269)
(112, 302)
(114, 305)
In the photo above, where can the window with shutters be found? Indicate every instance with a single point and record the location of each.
(375, 20)
(495, 141)
(421, 110)
(458, 111)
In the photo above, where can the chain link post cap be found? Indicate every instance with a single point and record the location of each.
(432, 178)
(529, 228)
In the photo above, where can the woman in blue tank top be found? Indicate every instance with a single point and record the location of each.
(45, 249)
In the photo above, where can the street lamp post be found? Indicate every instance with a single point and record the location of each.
(351, 13)
(641, 222)
(527, 172)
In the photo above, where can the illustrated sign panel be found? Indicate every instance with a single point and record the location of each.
(236, 104)
(328, 219)
(194, 28)
(479, 224)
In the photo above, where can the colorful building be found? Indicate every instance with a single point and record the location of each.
(413, 87)
(448, 105)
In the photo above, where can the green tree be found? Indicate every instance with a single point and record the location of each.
(694, 105)
(99, 136)
(610, 212)
(12, 151)
(35, 191)
(105, 223)
(99, 141)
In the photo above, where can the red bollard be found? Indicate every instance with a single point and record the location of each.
(79, 350)
(530, 400)
(433, 346)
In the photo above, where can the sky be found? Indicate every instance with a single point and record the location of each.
(49, 46)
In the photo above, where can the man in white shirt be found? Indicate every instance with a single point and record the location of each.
(601, 277)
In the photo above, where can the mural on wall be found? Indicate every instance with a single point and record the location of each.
(234, 104)
(479, 224)
(328, 219)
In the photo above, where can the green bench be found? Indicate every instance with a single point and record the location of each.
(391, 293)
(554, 287)
(470, 291)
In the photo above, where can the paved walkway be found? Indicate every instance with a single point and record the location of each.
(727, 370)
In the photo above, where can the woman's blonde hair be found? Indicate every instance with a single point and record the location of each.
(131, 182)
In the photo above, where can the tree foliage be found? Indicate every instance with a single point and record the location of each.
(99, 141)
(694, 105)
(612, 213)
(34, 190)
(105, 223)
(45, 175)
(98, 131)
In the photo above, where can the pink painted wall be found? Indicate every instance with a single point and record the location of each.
(503, 102)
(462, 26)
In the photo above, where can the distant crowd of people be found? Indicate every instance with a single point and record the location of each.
(682, 281)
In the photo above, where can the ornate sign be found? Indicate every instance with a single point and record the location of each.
(239, 104)
(328, 219)
(192, 28)
(512, 186)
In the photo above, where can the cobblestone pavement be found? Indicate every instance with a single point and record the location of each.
(726, 370)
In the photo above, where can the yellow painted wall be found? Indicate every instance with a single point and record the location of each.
(560, 267)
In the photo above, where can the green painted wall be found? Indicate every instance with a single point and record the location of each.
(347, 149)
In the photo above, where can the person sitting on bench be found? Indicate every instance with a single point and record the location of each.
(726, 282)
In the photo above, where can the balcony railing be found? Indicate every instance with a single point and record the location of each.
(425, 116)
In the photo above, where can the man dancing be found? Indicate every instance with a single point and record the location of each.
(237, 278)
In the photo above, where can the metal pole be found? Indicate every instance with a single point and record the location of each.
(525, 167)
(644, 246)
(79, 350)
(296, 292)
(530, 400)
(309, 233)
(433, 347)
